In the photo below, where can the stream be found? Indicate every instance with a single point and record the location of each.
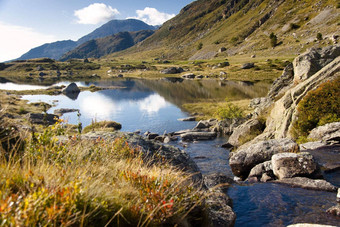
(155, 106)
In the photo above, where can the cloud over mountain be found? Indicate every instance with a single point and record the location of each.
(152, 16)
(95, 13)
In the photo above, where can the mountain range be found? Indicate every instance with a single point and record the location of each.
(57, 49)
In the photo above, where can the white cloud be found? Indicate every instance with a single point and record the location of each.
(152, 16)
(152, 104)
(17, 40)
(95, 13)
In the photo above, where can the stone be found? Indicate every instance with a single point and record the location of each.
(223, 64)
(248, 66)
(202, 125)
(260, 169)
(189, 76)
(248, 127)
(312, 145)
(334, 210)
(62, 111)
(282, 83)
(222, 49)
(338, 196)
(199, 77)
(190, 136)
(42, 119)
(308, 225)
(188, 119)
(247, 157)
(152, 136)
(307, 183)
(71, 88)
(310, 62)
(120, 75)
(288, 165)
(253, 56)
(328, 132)
(172, 70)
(218, 181)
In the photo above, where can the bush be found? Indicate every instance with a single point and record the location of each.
(294, 26)
(229, 111)
(200, 46)
(319, 107)
(273, 39)
(319, 36)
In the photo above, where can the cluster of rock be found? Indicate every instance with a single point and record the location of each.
(172, 70)
(272, 155)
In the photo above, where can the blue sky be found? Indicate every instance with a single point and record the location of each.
(25, 24)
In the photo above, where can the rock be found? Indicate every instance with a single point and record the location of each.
(248, 127)
(172, 70)
(222, 49)
(311, 145)
(199, 77)
(42, 119)
(223, 64)
(334, 210)
(152, 136)
(284, 111)
(41, 74)
(71, 88)
(61, 111)
(308, 225)
(247, 157)
(310, 62)
(120, 75)
(307, 183)
(282, 83)
(253, 56)
(202, 125)
(262, 169)
(40, 68)
(326, 133)
(190, 136)
(167, 139)
(218, 204)
(223, 73)
(189, 76)
(188, 119)
(248, 66)
(288, 165)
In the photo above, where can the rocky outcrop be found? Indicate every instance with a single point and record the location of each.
(326, 133)
(247, 157)
(307, 183)
(284, 111)
(288, 165)
(247, 128)
(312, 61)
(283, 83)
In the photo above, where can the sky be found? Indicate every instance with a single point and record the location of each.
(25, 24)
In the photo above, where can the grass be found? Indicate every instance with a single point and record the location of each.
(90, 183)
(102, 125)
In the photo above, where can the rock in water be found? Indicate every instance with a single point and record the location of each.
(71, 88)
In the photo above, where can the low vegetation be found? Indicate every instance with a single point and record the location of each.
(56, 182)
(102, 125)
(319, 107)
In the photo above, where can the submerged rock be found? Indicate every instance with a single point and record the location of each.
(190, 136)
(307, 183)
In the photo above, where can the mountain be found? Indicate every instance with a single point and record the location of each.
(57, 49)
(96, 48)
(51, 50)
(241, 27)
(115, 26)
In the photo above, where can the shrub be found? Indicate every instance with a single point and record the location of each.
(273, 39)
(319, 107)
(102, 125)
(294, 26)
(200, 46)
(229, 111)
(319, 36)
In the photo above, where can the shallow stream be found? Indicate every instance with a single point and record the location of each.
(155, 106)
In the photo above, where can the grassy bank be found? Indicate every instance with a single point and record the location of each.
(90, 183)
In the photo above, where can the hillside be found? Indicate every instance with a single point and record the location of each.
(57, 49)
(97, 48)
(242, 27)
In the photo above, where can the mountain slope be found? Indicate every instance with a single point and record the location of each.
(52, 50)
(96, 48)
(241, 26)
(57, 49)
(115, 26)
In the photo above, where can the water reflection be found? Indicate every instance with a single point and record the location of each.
(19, 87)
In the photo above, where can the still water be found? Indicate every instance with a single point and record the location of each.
(155, 105)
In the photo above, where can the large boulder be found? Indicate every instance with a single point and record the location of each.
(312, 61)
(288, 165)
(190, 136)
(172, 70)
(71, 88)
(246, 157)
(328, 132)
(247, 128)
(248, 66)
(262, 172)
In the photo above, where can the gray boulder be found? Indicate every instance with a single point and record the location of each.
(247, 128)
(288, 165)
(172, 70)
(328, 132)
(283, 83)
(202, 125)
(313, 60)
(247, 157)
(307, 183)
(248, 66)
(262, 172)
(71, 88)
(190, 136)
